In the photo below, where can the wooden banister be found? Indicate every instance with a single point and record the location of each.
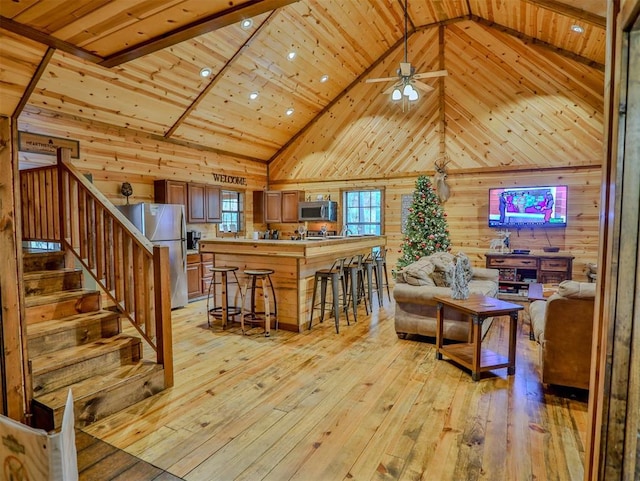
(61, 205)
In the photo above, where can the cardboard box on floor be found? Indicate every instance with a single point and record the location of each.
(35, 455)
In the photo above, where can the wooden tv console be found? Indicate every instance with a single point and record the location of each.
(518, 271)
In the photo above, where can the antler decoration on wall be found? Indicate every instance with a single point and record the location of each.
(440, 179)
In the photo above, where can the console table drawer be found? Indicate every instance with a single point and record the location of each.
(554, 264)
(525, 262)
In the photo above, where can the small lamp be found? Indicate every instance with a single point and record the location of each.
(396, 94)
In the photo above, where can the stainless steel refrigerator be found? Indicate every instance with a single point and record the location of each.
(164, 224)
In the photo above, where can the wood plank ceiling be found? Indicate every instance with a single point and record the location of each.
(136, 64)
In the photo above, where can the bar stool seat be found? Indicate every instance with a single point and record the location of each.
(259, 317)
(225, 312)
(337, 276)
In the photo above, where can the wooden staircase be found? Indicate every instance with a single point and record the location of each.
(73, 343)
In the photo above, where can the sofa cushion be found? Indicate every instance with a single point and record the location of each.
(577, 290)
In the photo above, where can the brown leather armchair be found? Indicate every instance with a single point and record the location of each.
(563, 328)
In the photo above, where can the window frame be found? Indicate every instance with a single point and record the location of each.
(240, 212)
(345, 206)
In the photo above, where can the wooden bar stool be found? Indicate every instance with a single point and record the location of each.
(225, 312)
(259, 317)
(337, 276)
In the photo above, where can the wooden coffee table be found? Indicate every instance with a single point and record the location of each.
(471, 354)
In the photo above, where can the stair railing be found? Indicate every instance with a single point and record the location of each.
(59, 204)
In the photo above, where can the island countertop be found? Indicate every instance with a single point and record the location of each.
(290, 248)
(294, 263)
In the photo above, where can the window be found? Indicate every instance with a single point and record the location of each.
(363, 211)
(232, 211)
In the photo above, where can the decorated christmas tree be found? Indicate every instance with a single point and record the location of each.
(426, 231)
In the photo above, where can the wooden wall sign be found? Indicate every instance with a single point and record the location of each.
(230, 179)
(43, 144)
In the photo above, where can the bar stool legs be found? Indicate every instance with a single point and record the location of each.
(225, 312)
(337, 275)
(253, 316)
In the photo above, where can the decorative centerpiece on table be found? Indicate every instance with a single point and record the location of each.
(426, 231)
(462, 274)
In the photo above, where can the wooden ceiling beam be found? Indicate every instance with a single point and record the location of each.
(218, 76)
(48, 40)
(208, 24)
(537, 41)
(570, 11)
(44, 63)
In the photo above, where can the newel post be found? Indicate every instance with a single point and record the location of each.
(162, 299)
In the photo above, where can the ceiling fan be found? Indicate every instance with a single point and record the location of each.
(408, 81)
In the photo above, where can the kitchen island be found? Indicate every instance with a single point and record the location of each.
(294, 262)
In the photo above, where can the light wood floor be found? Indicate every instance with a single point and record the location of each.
(359, 405)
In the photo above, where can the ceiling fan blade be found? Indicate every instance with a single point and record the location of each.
(436, 73)
(382, 79)
(422, 86)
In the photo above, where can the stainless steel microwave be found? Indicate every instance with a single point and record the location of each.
(318, 210)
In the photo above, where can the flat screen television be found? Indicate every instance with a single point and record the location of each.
(522, 207)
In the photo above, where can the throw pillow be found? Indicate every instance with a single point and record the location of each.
(442, 274)
(419, 273)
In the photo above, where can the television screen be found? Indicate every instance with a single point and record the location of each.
(518, 207)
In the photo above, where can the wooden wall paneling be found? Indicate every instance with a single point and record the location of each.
(468, 206)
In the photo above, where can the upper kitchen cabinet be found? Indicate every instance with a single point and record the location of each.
(170, 192)
(203, 203)
(276, 206)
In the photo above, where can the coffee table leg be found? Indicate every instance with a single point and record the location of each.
(439, 330)
(513, 325)
(477, 347)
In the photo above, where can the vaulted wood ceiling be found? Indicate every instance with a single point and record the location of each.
(136, 64)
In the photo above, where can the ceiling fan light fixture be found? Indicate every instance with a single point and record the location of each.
(413, 96)
(407, 90)
(396, 94)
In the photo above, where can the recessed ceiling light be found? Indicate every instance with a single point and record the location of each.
(246, 24)
(205, 72)
(324, 78)
(577, 28)
(253, 95)
(291, 55)
(289, 111)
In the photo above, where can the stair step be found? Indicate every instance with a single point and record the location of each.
(67, 366)
(37, 283)
(100, 396)
(61, 304)
(76, 330)
(42, 261)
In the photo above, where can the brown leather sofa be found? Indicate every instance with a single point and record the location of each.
(415, 308)
(563, 327)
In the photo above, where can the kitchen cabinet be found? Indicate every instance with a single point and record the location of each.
(199, 275)
(203, 203)
(276, 206)
(170, 192)
(517, 271)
